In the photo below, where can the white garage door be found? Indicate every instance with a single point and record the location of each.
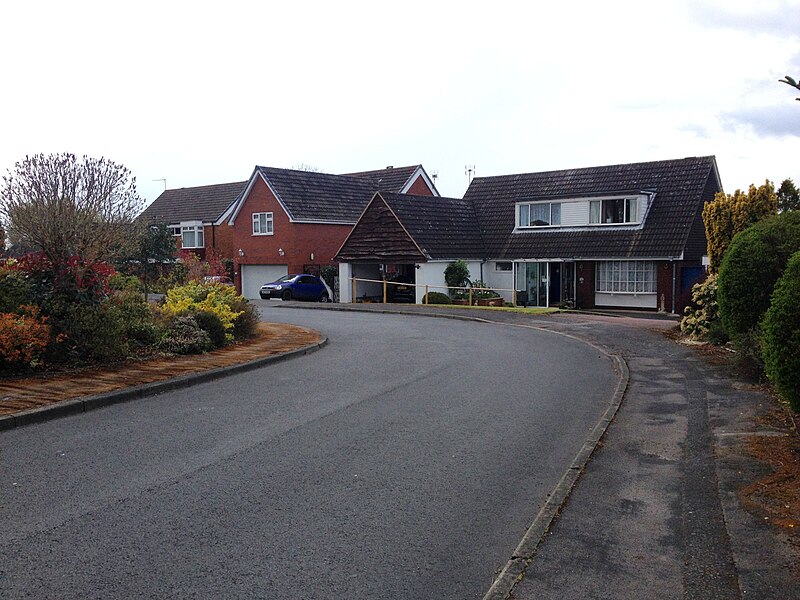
(254, 276)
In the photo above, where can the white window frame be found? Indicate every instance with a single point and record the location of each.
(626, 277)
(196, 230)
(268, 223)
(524, 208)
(632, 209)
(175, 230)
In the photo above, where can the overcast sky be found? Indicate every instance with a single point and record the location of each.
(200, 92)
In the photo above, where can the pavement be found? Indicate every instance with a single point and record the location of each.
(656, 512)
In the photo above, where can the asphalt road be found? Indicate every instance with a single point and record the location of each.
(403, 460)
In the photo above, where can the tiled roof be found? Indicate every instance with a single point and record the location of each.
(445, 228)
(204, 203)
(680, 188)
(390, 179)
(312, 196)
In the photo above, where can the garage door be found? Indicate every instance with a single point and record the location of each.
(254, 276)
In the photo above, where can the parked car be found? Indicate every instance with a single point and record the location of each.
(297, 287)
(403, 293)
(223, 279)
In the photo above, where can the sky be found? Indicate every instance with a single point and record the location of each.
(197, 93)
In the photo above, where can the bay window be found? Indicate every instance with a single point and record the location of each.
(626, 277)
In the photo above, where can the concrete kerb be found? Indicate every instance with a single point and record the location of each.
(80, 405)
(525, 552)
(514, 570)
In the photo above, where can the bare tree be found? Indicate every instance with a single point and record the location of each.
(67, 206)
(305, 167)
(790, 81)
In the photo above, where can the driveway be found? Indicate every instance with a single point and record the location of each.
(403, 460)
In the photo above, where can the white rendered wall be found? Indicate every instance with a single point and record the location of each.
(499, 281)
(345, 286)
(626, 300)
(432, 274)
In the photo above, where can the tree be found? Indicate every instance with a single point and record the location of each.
(65, 206)
(727, 215)
(154, 245)
(788, 196)
(306, 167)
(790, 81)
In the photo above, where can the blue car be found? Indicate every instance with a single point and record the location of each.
(297, 287)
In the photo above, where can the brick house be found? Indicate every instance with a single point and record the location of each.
(628, 236)
(193, 213)
(289, 221)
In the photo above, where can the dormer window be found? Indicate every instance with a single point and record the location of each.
(539, 214)
(614, 211)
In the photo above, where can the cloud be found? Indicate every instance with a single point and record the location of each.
(781, 120)
(778, 18)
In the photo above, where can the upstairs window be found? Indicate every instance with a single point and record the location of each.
(541, 214)
(614, 211)
(262, 223)
(192, 235)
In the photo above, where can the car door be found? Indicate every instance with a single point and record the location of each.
(308, 288)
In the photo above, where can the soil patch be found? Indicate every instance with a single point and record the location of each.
(23, 393)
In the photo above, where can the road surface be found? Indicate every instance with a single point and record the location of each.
(403, 460)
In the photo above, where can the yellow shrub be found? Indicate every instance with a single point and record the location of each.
(197, 297)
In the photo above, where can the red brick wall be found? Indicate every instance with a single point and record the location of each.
(297, 240)
(419, 187)
(220, 237)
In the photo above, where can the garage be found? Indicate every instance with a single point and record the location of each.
(254, 276)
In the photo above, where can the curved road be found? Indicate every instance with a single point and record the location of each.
(403, 460)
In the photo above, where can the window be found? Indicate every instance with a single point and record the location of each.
(175, 230)
(192, 235)
(542, 214)
(626, 277)
(614, 210)
(262, 223)
(502, 266)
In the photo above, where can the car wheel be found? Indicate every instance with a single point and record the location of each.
(286, 295)
(324, 297)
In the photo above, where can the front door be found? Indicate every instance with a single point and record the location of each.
(533, 281)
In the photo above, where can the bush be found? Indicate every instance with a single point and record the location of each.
(128, 283)
(753, 263)
(781, 335)
(483, 292)
(184, 336)
(23, 338)
(92, 334)
(141, 328)
(211, 324)
(456, 275)
(701, 319)
(246, 324)
(198, 296)
(437, 298)
(15, 291)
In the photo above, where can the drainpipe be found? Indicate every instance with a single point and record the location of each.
(673, 285)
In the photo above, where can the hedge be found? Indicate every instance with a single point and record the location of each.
(753, 263)
(781, 334)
